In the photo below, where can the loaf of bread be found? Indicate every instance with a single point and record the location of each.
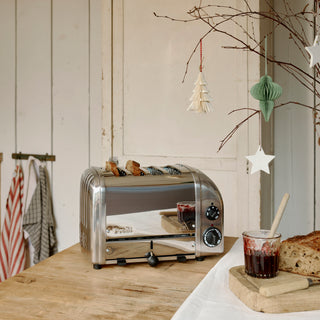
(301, 254)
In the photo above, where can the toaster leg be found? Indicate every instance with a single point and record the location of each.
(97, 266)
(200, 258)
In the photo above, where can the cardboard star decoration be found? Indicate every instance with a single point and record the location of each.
(314, 52)
(260, 161)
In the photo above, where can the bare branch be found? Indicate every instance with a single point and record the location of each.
(255, 112)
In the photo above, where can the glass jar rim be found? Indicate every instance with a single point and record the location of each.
(260, 234)
(186, 202)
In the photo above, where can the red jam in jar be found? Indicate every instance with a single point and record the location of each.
(260, 265)
(186, 213)
(261, 253)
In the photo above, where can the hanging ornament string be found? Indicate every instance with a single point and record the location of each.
(266, 91)
(260, 129)
(316, 15)
(200, 99)
(200, 55)
(265, 55)
(265, 73)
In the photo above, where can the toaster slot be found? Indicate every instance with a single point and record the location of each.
(155, 171)
(122, 172)
(145, 171)
(172, 170)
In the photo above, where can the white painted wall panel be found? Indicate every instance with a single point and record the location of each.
(70, 112)
(7, 94)
(107, 79)
(95, 84)
(33, 76)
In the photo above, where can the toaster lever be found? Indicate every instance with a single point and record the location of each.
(152, 259)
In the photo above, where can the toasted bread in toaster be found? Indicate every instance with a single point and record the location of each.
(111, 166)
(134, 167)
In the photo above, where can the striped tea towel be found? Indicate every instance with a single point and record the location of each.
(12, 249)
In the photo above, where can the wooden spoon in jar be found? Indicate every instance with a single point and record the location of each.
(279, 214)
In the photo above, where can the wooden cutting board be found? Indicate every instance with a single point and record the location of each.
(246, 288)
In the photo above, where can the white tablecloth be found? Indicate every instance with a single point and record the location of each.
(212, 298)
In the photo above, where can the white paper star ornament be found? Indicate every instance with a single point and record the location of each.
(314, 52)
(260, 161)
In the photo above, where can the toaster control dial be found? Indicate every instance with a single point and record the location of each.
(212, 237)
(212, 212)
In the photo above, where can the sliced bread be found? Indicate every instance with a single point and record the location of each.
(301, 254)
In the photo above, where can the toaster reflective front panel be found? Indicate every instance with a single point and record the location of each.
(134, 235)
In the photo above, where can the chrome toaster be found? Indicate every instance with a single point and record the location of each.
(165, 213)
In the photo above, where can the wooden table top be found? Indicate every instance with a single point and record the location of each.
(66, 286)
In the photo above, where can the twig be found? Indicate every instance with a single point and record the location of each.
(232, 132)
(255, 112)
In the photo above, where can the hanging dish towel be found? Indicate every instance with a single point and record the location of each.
(31, 178)
(12, 250)
(38, 220)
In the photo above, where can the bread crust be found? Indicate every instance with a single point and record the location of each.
(112, 166)
(134, 167)
(311, 240)
(301, 254)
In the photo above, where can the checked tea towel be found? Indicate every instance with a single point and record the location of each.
(38, 221)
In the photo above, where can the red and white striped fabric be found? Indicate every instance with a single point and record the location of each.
(12, 248)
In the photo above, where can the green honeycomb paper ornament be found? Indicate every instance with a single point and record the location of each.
(266, 91)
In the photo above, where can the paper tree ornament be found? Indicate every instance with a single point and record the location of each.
(266, 91)
(314, 52)
(260, 161)
(200, 99)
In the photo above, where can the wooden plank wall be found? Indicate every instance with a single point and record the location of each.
(50, 88)
(7, 92)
